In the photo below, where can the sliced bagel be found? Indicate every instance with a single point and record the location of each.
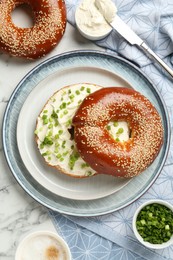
(54, 131)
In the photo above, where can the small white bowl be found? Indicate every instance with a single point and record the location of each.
(42, 243)
(91, 36)
(90, 33)
(138, 236)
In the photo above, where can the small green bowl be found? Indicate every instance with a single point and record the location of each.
(139, 237)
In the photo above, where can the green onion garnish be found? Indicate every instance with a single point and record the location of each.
(54, 114)
(82, 88)
(115, 123)
(155, 223)
(63, 105)
(73, 158)
(77, 92)
(120, 131)
(47, 141)
(88, 90)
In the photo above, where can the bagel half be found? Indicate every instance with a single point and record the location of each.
(54, 132)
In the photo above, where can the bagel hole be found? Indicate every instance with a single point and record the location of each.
(22, 16)
(119, 130)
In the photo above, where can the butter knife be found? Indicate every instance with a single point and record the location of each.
(124, 30)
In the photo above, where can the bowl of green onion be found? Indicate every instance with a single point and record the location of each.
(153, 224)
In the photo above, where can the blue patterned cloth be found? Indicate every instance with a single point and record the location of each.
(110, 237)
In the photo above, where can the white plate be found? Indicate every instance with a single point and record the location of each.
(56, 66)
(66, 186)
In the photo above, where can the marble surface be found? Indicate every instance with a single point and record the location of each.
(19, 213)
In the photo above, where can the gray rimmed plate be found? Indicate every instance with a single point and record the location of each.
(92, 67)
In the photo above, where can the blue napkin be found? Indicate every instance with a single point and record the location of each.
(110, 236)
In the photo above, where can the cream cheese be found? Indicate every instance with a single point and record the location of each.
(55, 142)
(119, 131)
(90, 21)
(107, 8)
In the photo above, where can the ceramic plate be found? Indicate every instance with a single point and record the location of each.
(86, 66)
(75, 188)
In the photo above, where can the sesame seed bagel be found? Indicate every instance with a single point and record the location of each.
(54, 132)
(98, 147)
(35, 42)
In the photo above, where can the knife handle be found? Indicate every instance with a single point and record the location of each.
(156, 58)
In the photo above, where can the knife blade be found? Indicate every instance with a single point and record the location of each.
(124, 30)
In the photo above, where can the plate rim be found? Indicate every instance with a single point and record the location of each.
(80, 53)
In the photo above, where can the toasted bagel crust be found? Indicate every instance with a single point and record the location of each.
(97, 147)
(35, 42)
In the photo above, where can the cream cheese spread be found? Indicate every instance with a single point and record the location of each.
(119, 131)
(53, 128)
(90, 19)
(107, 8)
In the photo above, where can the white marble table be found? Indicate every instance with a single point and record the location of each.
(19, 213)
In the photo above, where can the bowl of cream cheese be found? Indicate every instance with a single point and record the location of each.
(43, 245)
(92, 18)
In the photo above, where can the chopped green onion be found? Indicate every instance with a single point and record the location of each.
(115, 124)
(82, 88)
(50, 126)
(88, 90)
(65, 153)
(155, 223)
(63, 144)
(73, 158)
(41, 146)
(120, 131)
(46, 153)
(69, 122)
(47, 141)
(54, 114)
(89, 173)
(45, 121)
(83, 165)
(71, 96)
(63, 105)
(65, 112)
(50, 133)
(77, 92)
(44, 117)
(60, 132)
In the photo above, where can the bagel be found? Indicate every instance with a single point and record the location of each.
(35, 42)
(54, 132)
(104, 152)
